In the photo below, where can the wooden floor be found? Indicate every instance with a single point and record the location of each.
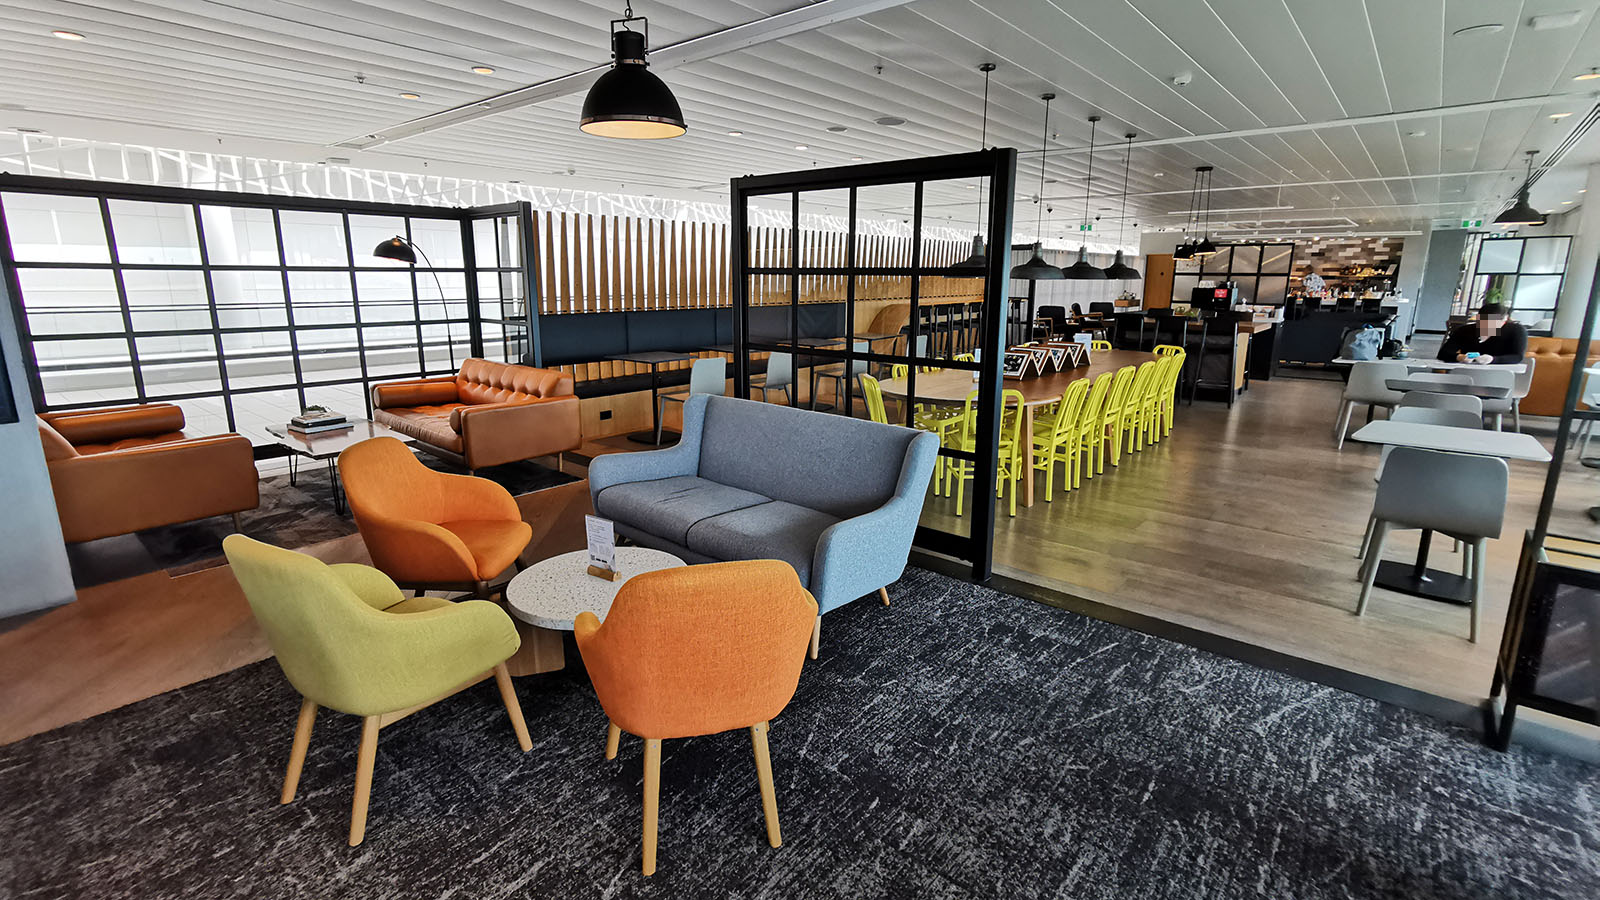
(1244, 523)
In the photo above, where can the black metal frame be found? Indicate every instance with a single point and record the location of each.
(999, 167)
(1473, 273)
(104, 193)
(1200, 274)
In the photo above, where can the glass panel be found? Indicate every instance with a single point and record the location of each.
(1499, 255)
(178, 364)
(1247, 291)
(203, 415)
(385, 296)
(314, 239)
(1275, 258)
(70, 301)
(239, 237)
(367, 232)
(53, 228)
(1536, 292)
(85, 371)
(255, 412)
(167, 300)
(440, 240)
(249, 299)
(1183, 287)
(258, 359)
(485, 245)
(454, 287)
(1545, 255)
(321, 298)
(1246, 259)
(328, 354)
(390, 350)
(1217, 263)
(344, 398)
(1272, 289)
(161, 233)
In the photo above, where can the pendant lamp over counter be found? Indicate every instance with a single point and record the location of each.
(1036, 269)
(1205, 248)
(1083, 270)
(977, 265)
(1185, 248)
(1119, 270)
(1521, 212)
(630, 101)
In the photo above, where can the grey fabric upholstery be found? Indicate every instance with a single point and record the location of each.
(670, 506)
(773, 530)
(841, 466)
(1431, 400)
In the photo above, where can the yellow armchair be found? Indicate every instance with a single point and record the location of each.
(348, 639)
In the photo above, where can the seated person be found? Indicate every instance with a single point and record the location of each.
(1494, 337)
(1077, 311)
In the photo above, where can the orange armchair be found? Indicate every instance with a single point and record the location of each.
(426, 529)
(699, 650)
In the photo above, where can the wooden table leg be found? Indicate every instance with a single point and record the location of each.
(541, 651)
(1026, 440)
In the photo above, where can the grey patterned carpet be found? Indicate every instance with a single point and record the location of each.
(961, 743)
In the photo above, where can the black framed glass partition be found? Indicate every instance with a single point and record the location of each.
(1524, 273)
(875, 298)
(241, 308)
(1261, 271)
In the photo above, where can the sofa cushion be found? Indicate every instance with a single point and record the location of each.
(129, 443)
(772, 530)
(836, 464)
(483, 381)
(670, 506)
(429, 424)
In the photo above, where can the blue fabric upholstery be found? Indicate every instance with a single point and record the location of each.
(669, 506)
(845, 493)
(773, 530)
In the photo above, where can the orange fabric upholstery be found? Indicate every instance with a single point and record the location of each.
(423, 527)
(1553, 360)
(489, 413)
(117, 471)
(699, 649)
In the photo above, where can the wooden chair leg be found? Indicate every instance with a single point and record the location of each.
(297, 751)
(882, 592)
(508, 696)
(365, 757)
(816, 636)
(238, 524)
(652, 800)
(613, 737)
(769, 796)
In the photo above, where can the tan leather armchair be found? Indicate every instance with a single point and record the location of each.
(121, 470)
(487, 414)
(1553, 360)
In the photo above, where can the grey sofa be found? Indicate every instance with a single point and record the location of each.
(835, 497)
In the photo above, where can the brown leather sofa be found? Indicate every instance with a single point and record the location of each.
(1553, 359)
(120, 470)
(487, 414)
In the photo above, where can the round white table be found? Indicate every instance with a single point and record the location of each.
(544, 598)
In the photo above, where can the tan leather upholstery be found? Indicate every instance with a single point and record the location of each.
(1552, 370)
(489, 413)
(116, 471)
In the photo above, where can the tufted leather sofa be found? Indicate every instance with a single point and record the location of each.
(487, 414)
(120, 470)
(1553, 359)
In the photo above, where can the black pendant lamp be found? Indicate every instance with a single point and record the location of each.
(1521, 212)
(630, 101)
(1119, 270)
(977, 264)
(1036, 269)
(1185, 248)
(1083, 270)
(1205, 248)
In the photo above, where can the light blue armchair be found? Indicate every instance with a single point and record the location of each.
(835, 497)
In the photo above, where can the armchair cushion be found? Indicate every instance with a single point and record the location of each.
(670, 506)
(418, 392)
(493, 543)
(771, 530)
(107, 426)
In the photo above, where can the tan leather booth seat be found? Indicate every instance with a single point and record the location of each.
(116, 471)
(487, 414)
(1553, 359)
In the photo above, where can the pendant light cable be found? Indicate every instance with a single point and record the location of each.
(983, 142)
(1044, 143)
(1088, 175)
(1127, 163)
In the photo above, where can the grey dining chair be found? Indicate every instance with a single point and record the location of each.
(1430, 400)
(836, 372)
(1591, 400)
(1456, 494)
(706, 376)
(1421, 415)
(779, 376)
(1522, 385)
(1499, 406)
(1367, 386)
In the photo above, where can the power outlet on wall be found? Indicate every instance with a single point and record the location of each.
(605, 414)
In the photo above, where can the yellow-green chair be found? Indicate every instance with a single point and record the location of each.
(348, 639)
(1168, 350)
(1133, 406)
(1167, 401)
(1055, 438)
(1091, 422)
(872, 394)
(1111, 422)
(1150, 404)
(1008, 465)
(1099, 345)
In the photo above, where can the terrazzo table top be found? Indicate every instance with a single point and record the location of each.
(551, 593)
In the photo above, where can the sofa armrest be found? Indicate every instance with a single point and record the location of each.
(861, 554)
(122, 491)
(399, 661)
(468, 497)
(495, 433)
(417, 392)
(415, 552)
(102, 426)
(683, 458)
(375, 589)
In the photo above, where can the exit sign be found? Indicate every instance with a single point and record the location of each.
(1088, 227)
(1471, 223)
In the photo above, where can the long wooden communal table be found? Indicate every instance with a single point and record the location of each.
(953, 385)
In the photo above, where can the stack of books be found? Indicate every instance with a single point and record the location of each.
(318, 422)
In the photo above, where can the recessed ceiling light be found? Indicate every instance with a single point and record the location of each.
(1335, 198)
(1561, 115)
(1590, 75)
(68, 35)
(1486, 28)
(1418, 133)
(1158, 175)
(857, 158)
(889, 120)
(735, 134)
(837, 129)
(21, 130)
(483, 70)
(1552, 21)
(1583, 190)
(801, 147)
(410, 96)
(1564, 202)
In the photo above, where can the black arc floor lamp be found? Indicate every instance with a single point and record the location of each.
(401, 250)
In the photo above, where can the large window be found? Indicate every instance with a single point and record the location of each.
(243, 310)
(1525, 273)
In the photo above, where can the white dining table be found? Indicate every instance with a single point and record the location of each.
(1437, 364)
(1476, 441)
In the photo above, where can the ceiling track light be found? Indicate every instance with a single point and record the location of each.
(1119, 270)
(1036, 269)
(976, 265)
(629, 101)
(1522, 212)
(1083, 270)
